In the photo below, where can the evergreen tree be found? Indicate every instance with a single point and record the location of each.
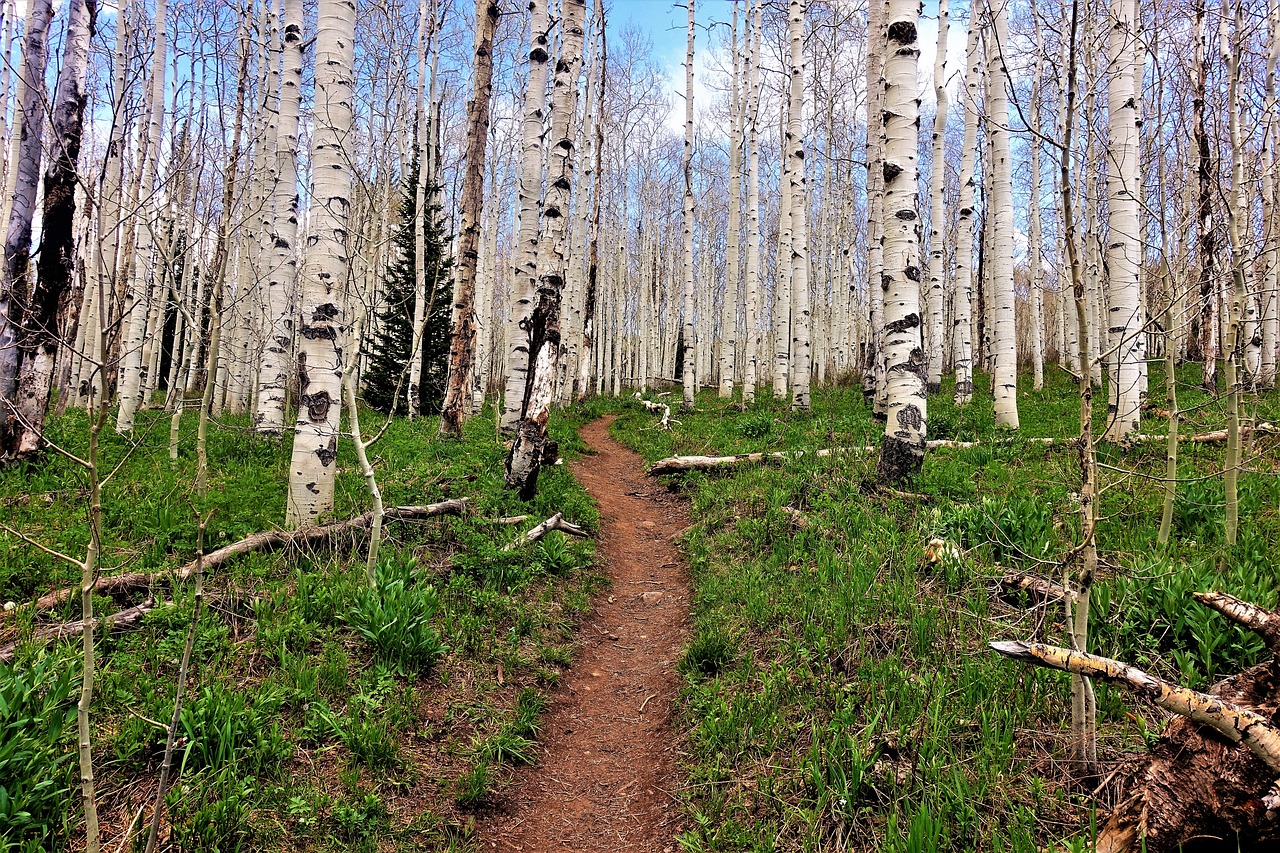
(389, 347)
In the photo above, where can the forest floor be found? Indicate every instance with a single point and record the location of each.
(606, 779)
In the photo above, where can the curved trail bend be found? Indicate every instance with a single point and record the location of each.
(606, 776)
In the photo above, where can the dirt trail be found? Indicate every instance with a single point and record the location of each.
(606, 776)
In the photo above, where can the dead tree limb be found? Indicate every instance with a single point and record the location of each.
(272, 540)
(1037, 590)
(1198, 782)
(555, 522)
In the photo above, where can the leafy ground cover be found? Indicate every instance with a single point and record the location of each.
(322, 713)
(839, 691)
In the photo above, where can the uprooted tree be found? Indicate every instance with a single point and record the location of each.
(1215, 772)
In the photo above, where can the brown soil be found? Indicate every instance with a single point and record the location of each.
(606, 778)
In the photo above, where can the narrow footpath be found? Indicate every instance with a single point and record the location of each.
(606, 777)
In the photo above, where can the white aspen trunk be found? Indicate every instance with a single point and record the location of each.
(782, 266)
(801, 343)
(14, 274)
(690, 351)
(937, 214)
(1269, 292)
(752, 313)
(1123, 243)
(423, 154)
(1208, 296)
(902, 453)
(524, 282)
(38, 338)
(873, 376)
(1035, 253)
(273, 376)
(525, 459)
(729, 305)
(1004, 380)
(143, 275)
(324, 272)
(962, 330)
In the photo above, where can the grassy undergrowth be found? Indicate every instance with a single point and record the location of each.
(839, 692)
(322, 714)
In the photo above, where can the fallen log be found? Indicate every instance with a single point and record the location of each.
(555, 522)
(121, 619)
(665, 423)
(272, 540)
(681, 464)
(1037, 590)
(1212, 774)
(1218, 436)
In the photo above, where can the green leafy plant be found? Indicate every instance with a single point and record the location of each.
(36, 712)
(394, 617)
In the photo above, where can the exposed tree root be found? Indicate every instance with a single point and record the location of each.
(555, 522)
(272, 540)
(1213, 775)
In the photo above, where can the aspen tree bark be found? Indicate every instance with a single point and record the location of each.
(1269, 293)
(751, 287)
(593, 251)
(902, 453)
(463, 336)
(729, 306)
(801, 343)
(690, 345)
(525, 458)
(38, 338)
(14, 287)
(781, 317)
(1124, 249)
(324, 272)
(1207, 254)
(1004, 380)
(1035, 253)
(962, 330)
(524, 282)
(273, 374)
(1237, 217)
(422, 154)
(144, 274)
(873, 374)
(937, 213)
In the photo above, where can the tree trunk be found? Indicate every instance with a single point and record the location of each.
(937, 213)
(729, 307)
(17, 245)
(801, 321)
(962, 340)
(690, 344)
(324, 272)
(273, 377)
(1124, 247)
(524, 283)
(462, 339)
(902, 453)
(525, 458)
(1004, 379)
(55, 284)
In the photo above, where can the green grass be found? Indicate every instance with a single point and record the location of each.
(839, 689)
(321, 714)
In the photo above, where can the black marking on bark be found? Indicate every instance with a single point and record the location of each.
(906, 214)
(317, 406)
(329, 452)
(913, 273)
(319, 333)
(311, 487)
(885, 281)
(324, 312)
(910, 321)
(891, 170)
(903, 32)
(965, 387)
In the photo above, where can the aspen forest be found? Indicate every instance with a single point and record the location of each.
(625, 425)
